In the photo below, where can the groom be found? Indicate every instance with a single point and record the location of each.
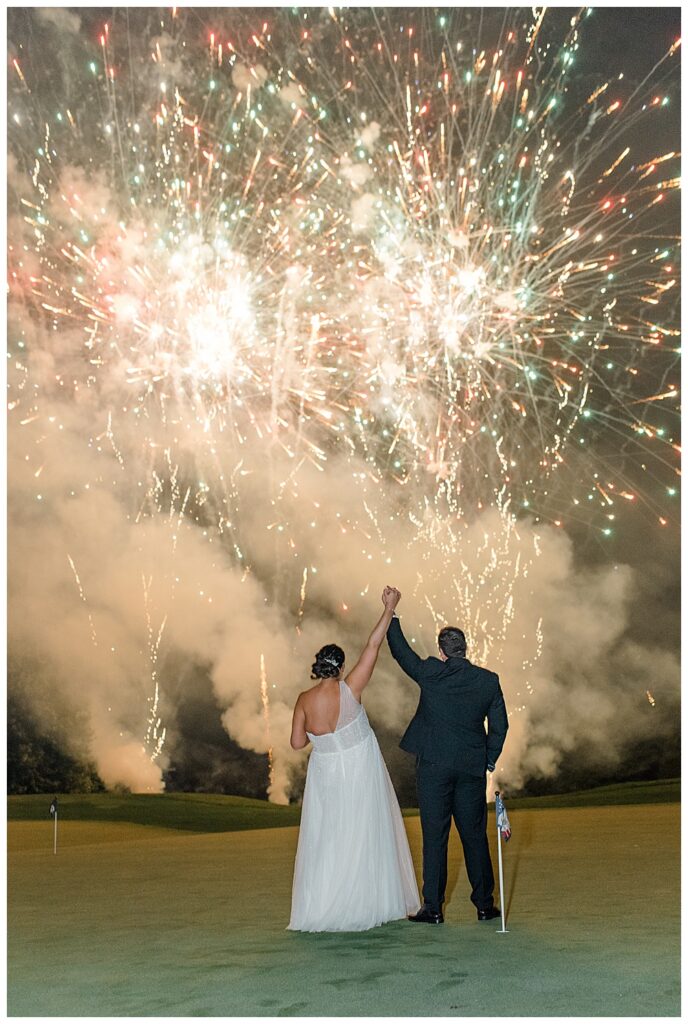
(447, 735)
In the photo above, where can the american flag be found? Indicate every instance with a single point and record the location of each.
(502, 818)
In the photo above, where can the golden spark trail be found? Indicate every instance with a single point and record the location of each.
(155, 732)
(82, 595)
(266, 715)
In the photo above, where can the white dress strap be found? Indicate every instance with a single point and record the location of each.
(349, 707)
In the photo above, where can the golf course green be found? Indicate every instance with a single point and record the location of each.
(185, 915)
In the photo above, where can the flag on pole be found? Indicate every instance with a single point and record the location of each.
(53, 815)
(502, 818)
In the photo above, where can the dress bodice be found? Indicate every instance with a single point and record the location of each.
(351, 729)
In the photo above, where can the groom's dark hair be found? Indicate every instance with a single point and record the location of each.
(452, 642)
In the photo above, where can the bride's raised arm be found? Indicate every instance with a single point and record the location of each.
(359, 676)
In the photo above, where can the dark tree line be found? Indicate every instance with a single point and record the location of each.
(42, 750)
(38, 763)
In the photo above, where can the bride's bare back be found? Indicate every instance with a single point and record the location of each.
(321, 707)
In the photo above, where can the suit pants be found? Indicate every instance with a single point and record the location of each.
(443, 794)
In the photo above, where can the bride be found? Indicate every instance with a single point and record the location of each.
(353, 866)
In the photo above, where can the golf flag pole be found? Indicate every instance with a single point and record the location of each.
(53, 812)
(503, 829)
(503, 929)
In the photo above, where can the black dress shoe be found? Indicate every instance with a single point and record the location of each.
(489, 914)
(427, 916)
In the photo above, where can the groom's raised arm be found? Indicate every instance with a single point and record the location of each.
(402, 653)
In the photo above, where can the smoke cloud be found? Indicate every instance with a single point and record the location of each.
(93, 585)
(60, 18)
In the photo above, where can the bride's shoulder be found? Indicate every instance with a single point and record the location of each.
(305, 695)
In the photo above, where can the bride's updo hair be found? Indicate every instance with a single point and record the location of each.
(328, 662)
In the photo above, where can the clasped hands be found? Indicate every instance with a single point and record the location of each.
(391, 597)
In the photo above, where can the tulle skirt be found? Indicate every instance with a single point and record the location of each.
(353, 866)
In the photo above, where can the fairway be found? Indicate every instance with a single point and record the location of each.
(130, 920)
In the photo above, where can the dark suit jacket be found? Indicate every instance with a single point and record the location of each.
(456, 697)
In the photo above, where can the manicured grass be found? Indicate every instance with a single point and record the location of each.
(660, 791)
(189, 812)
(199, 812)
(133, 921)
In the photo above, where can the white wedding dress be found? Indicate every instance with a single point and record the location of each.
(353, 866)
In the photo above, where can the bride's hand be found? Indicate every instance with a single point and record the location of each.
(391, 597)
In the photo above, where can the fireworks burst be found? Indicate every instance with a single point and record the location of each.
(407, 240)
